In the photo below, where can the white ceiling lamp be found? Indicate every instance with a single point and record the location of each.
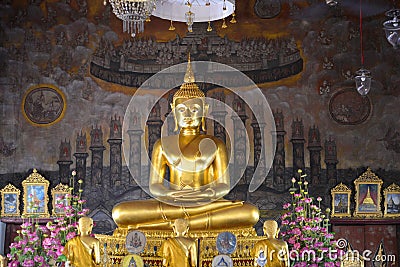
(191, 11)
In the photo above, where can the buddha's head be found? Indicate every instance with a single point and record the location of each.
(271, 229)
(180, 227)
(85, 225)
(188, 103)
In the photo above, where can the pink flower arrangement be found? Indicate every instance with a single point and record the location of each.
(42, 245)
(305, 229)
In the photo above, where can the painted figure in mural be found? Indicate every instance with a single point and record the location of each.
(83, 250)
(198, 175)
(179, 251)
(271, 252)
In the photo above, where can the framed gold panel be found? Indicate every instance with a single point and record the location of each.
(35, 196)
(10, 201)
(341, 201)
(368, 195)
(59, 196)
(391, 195)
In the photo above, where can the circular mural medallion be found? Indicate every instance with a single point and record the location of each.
(135, 242)
(267, 9)
(43, 105)
(348, 107)
(226, 243)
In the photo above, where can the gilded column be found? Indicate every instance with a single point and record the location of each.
(154, 124)
(115, 142)
(331, 161)
(64, 161)
(298, 145)
(279, 163)
(239, 139)
(258, 142)
(81, 156)
(135, 148)
(314, 146)
(219, 113)
(97, 148)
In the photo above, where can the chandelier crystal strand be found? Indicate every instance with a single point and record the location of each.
(133, 13)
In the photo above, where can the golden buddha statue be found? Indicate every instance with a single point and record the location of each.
(83, 250)
(271, 251)
(198, 175)
(179, 251)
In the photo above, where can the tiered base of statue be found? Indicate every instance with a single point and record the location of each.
(114, 247)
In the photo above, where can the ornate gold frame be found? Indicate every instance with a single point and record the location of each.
(60, 189)
(391, 189)
(371, 182)
(35, 180)
(10, 189)
(341, 190)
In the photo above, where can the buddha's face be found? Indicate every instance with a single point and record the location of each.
(85, 225)
(189, 112)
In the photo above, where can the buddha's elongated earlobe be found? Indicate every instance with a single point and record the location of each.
(173, 113)
(203, 119)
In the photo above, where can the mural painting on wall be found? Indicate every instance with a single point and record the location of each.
(347, 107)
(43, 104)
(133, 62)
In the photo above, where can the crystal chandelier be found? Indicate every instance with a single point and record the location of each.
(363, 77)
(133, 13)
(392, 27)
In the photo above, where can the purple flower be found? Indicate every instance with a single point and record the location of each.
(28, 263)
(286, 206)
(329, 235)
(13, 264)
(38, 259)
(299, 209)
(308, 200)
(319, 198)
(26, 225)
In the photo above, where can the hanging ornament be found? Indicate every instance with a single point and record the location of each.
(171, 27)
(363, 81)
(363, 77)
(209, 29)
(392, 28)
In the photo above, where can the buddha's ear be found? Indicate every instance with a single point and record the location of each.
(277, 232)
(203, 119)
(173, 113)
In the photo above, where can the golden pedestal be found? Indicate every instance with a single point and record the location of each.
(116, 251)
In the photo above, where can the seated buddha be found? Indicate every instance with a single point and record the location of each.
(198, 175)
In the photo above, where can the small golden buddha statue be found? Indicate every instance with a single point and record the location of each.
(179, 251)
(198, 175)
(83, 250)
(271, 251)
